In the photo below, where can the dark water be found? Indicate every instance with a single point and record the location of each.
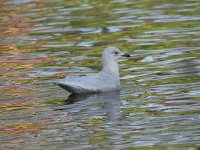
(158, 106)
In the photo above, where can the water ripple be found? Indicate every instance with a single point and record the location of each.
(158, 105)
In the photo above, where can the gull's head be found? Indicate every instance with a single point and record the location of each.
(109, 59)
(113, 53)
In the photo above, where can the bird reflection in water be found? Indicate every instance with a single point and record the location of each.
(111, 103)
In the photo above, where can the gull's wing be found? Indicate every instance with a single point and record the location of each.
(89, 83)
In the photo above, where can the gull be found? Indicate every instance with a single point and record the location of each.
(106, 80)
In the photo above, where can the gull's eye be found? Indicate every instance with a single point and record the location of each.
(116, 53)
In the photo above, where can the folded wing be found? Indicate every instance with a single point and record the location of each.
(89, 83)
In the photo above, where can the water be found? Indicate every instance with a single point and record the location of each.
(158, 105)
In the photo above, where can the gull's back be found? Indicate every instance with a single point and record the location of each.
(90, 83)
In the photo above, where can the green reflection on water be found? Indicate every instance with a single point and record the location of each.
(84, 28)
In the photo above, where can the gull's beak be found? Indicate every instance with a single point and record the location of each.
(126, 55)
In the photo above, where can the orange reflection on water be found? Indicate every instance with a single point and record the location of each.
(13, 23)
(5, 105)
(23, 63)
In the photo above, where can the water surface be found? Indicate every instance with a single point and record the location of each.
(158, 105)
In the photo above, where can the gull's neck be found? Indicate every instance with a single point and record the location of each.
(111, 66)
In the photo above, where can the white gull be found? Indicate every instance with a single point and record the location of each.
(104, 81)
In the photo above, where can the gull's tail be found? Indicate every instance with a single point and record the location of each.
(74, 89)
(69, 88)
